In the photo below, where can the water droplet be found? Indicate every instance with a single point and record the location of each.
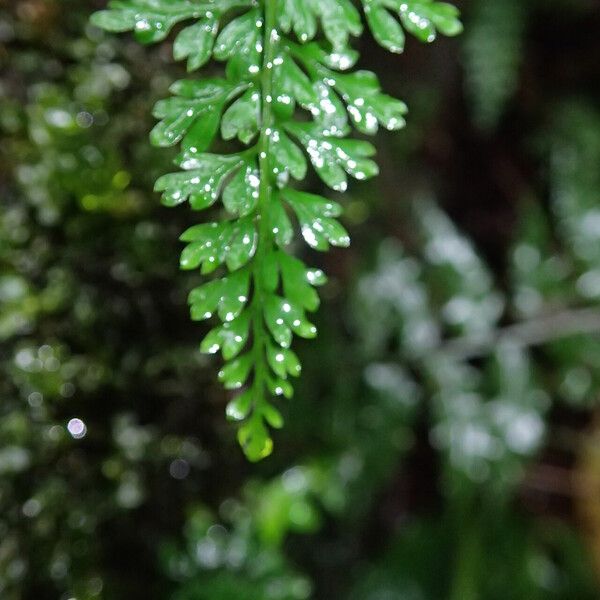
(77, 428)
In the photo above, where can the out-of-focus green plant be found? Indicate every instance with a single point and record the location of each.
(530, 561)
(243, 550)
(494, 50)
(275, 61)
(442, 311)
(492, 54)
(492, 363)
(556, 260)
(77, 244)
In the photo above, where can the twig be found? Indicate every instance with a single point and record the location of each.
(534, 332)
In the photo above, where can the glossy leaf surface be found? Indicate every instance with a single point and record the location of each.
(287, 99)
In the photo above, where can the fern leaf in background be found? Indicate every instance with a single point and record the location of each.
(288, 94)
(492, 57)
(482, 347)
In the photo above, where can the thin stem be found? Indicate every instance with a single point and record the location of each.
(265, 240)
(535, 332)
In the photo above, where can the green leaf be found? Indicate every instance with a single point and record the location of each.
(296, 285)
(276, 360)
(269, 272)
(195, 108)
(339, 20)
(233, 242)
(316, 277)
(283, 362)
(366, 104)
(361, 92)
(211, 342)
(332, 157)
(177, 115)
(385, 28)
(282, 317)
(242, 244)
(238, 43)
(204, 300)
(235, 335)
(292, 363)
(322, 155)
(279, 223)
(292, 85)
(202, 184)
(273, 313)
(201, 134)
(241, 194)
(241, 118)
(340, 59)
(272, 416)
(287, 157)
(446, 18)
(315, 214)
(113, 20)
(209, 90)
(229, 295)
(230, 338)
(328, 113)
(296, 15)
(235, 36)
(234, 374)
(196, 43)
(151, 20)
(255, 440)
(203, 246)
(422, 19)
(280, 387)
(234, 295)
(416, 18)
(239, 408)
(317, 205)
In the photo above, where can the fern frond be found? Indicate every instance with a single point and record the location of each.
(287, 99)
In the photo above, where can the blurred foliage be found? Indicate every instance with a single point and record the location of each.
(447, 420)
(493, 49)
